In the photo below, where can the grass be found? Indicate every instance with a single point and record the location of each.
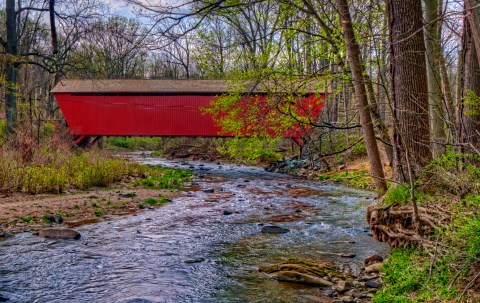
(436, 274)
(98, 212)
(357, 178)
(27, 219)
(53, 171)
(165, 178)
(133, 143)
(156, 202)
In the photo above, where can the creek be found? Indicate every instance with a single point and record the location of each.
(193, 249)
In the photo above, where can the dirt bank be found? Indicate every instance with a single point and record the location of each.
(23, 212)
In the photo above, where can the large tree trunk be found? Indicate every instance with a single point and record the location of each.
(469, 124)
(434, 49)
(353, 52)
(409, 89)
(11, 68)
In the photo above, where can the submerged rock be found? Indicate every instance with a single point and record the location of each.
(60, 233)
(273, 229)
(191, 261)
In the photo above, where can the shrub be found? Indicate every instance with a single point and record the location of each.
(452, 173)
(252, 149)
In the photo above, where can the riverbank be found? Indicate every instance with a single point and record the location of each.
(55, 186)
(28, 213)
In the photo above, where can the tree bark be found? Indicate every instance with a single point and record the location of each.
(435, 100)
(11, 67)
(469, 124)
(409, 89)
(353, 52)
(378, 121)
(53, 28)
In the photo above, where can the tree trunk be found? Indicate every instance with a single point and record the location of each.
(53, 28)
(469, 128)
(434, 49)
(353, 52)
(378, 121)
(11, 67)
(409, 89)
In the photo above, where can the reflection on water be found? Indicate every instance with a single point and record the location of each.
(189, 251)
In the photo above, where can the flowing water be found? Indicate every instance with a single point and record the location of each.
(190, 251)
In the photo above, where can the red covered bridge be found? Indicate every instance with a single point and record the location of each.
(163, 108)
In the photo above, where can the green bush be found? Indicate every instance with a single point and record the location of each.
(252, 149)
(453, 173)
(134, 143)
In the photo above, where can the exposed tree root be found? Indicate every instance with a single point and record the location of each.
(396, 226)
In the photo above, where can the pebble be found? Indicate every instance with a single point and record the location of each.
(373, 268)
(344, 286)
(373, 259)
(372, 284)
(58, 219)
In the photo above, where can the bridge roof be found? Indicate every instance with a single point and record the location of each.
(150, 86)
(140, 86)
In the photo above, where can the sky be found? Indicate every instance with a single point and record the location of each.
(120, 7)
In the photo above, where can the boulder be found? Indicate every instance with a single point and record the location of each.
(273, 229)
(60, 233)
(227, 212)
